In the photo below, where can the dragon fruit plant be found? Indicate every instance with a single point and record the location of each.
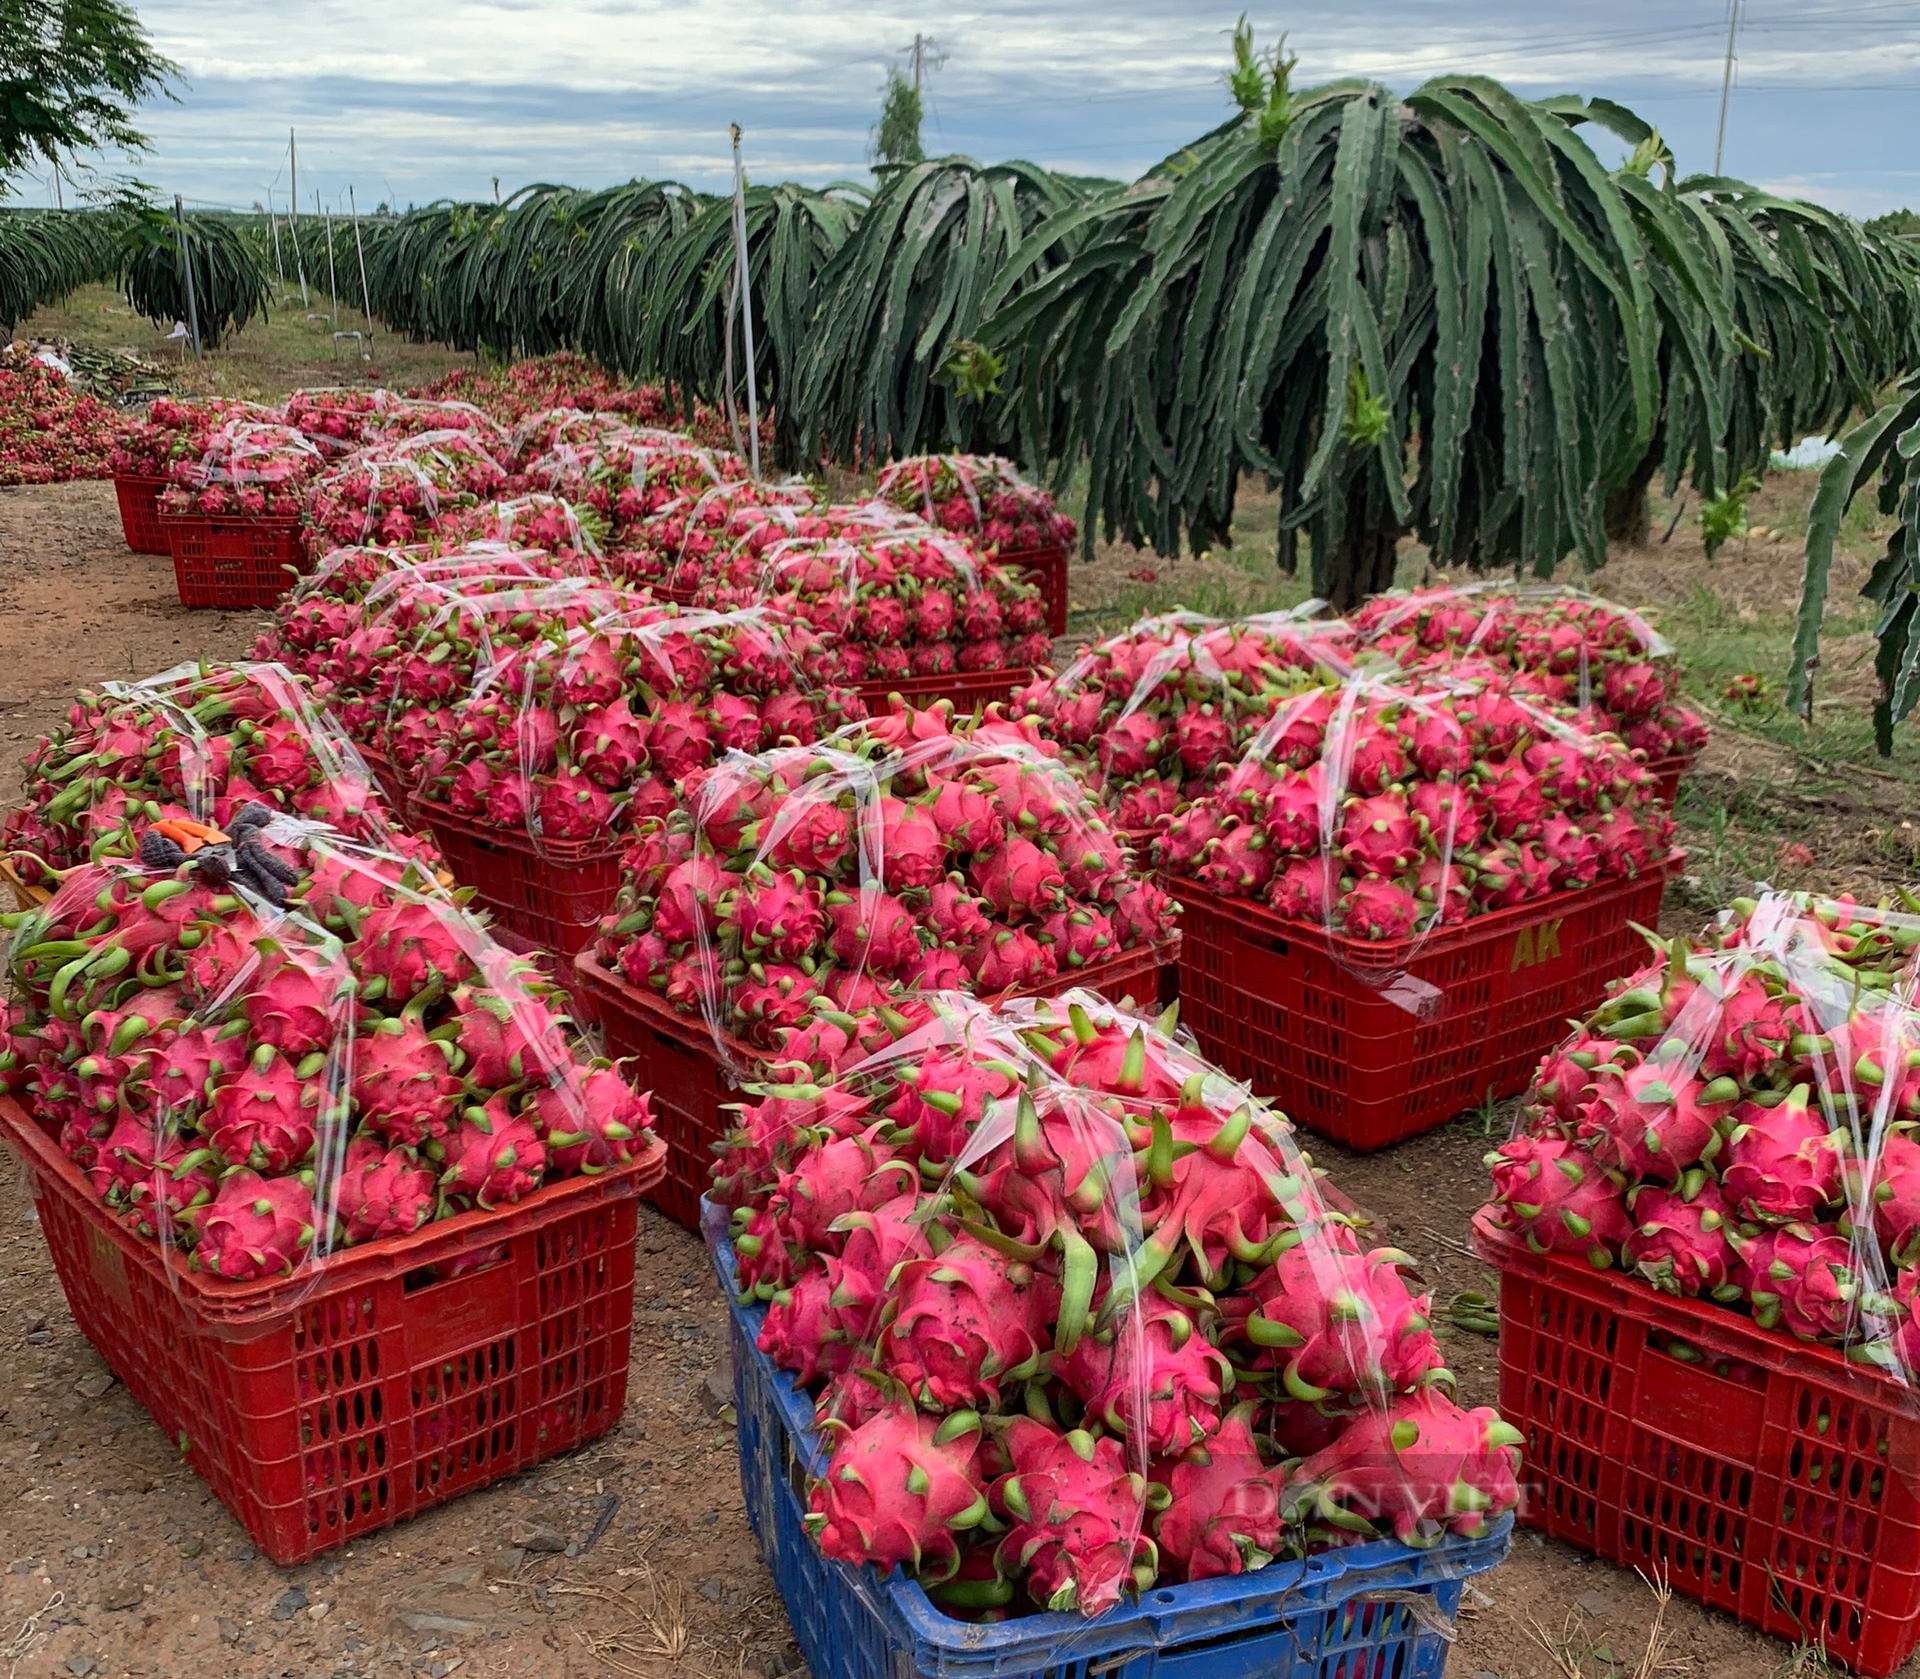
(906, 852)
(1154, 717)
(1562, 645)
(389, 493)
(249, 468)
(257, 1089)
(1734, 1124)
(198, 742)
(982, 498)
(1381, 808)
(1075, 1314)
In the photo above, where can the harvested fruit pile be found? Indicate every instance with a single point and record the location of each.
(574, 536)
(391, 492)
(901, 852)
(981, 497)
(1078, 1316)
(199, 742)
(343, 419)
(1385, 807)
(50, 430)
(167, 433)
(257, 1089)
(1154, 717)
(627, 475)
(251, 467)
(1569, 648)
(1733, 1124)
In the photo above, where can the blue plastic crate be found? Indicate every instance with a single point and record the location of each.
(1350, 1614)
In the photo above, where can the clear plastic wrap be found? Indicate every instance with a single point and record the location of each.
(574, 536)
(168, 432)
(1077, 1315)
(980, 497)
(340, 419)
(390, 492)
(905, 852)
(1735, 1123)
(692, 541)
(1569, 647)
(1390, 805)
(249, 467)
(627, 476)
(1156, 714)
(197, 742)
(264, 1043)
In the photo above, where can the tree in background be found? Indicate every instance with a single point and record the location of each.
(896, 136)
(72, 73)
(1903, 224)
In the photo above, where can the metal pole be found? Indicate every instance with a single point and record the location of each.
(273, 226)
(293, 219)
(1726, 83)
(746, 298)
(59, 200)
(333, 284)
(360, 250)
(186, 267)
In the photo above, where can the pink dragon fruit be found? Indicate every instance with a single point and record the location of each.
(802, 1331)
(773, 997)
(610, 744)
(871, 928)
(1571, 853)
(1800, 1278)
(1753, 1033)
(687, 907)
(1303, 890)
(1185, 838)
(1781, 1165)
(779, 916)
(1224, 1512)
(1204, 736)
(1892, 1191)
(492, 1157)
(954, 914)
(897, 1490)
(1019, 880)
(1183, 1375)
(1559, 1198)
(1421, 1464)
(264, 1117)
(1337, 1323)
(592, 1123)
(381, 1192)
(1009, 959)
(506, 1040)
(1379, 909)
(915, 851)
(1652, 1121)
(570, 805)
(403, 1082)
(1076, 1513)
(681, 739)
(964, 1321)
(1680, 1241)
(409, 944)
(1511, 796)
(1238, 861)
(966, 818)
(1132, 745)
(1078, 937)
(1378, 835)
(254, 1227)
(848, 1174)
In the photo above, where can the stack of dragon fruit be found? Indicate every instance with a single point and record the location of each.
(1154, 717)
(199, 742)
(170, 433)
(717, 534)
(341, 419)
(1569, 648)
(899, 600)
(390, 492)
(903, 852)
(1076, 1315)
(627, 474)
(247, 468)
(258, 1088)
(51, 431)
(980, 497)
(574, 537)
(549, 704)
(1735, 1124)
(1384, 807)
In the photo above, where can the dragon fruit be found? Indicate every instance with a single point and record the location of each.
(593, 1124)
(403, 1083)
(1559, 1198)
(254, 1227)
(1225, 1512)
(1799, 1278)
(1339, 1324)
(965, 1321)
(381, 1192)
(1075, 1511)
(492, 1157)
(409, 946)
(1183, 1375)
(1420, 1463)
(779, 916)
(1681, 1240)
(1892, 1191)
(1652, 1121)
(1781, 1165)
(898, 1489)
(1380, 909)
(1378, 835)
(264, 1117)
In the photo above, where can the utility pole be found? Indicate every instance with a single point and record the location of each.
(59, 201)
(1726, 83)
(293, 220)
(186, 270)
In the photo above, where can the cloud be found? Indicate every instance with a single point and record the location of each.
(435, 98)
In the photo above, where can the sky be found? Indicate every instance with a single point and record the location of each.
(411, 100)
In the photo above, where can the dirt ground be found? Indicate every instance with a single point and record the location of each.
(633, 1556)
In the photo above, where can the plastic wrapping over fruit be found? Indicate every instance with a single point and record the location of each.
(340, 419)
(1566, 646)
(1736, 1124)
(170, 434)
(257, 1079)
(1390, 806)
(199, 743)
(626, 475)
(1076, 1315)
(981, 497)
(391, 491)
(906, 852)
(573, 535)
(1154, 716)
(688, 543)
(248, 467)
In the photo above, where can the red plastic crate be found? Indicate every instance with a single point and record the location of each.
(1666, 776)
(235, 563)
(1046, 570)
(1288, 1007)
(390, 786)
(322, 1407)
(1764, 1476)
(139, 500)
(552, 897)
(967, 689)
(676, 1059)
